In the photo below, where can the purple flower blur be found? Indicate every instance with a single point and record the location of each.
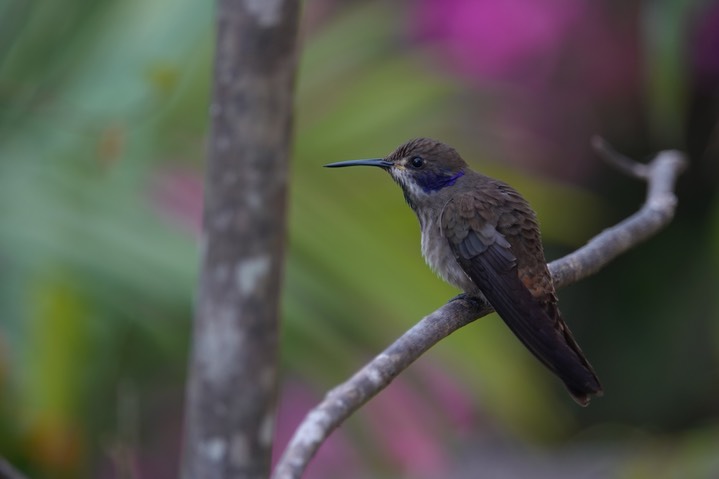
(176, 195)
(549, 67)
(505, 40)
(705, 58)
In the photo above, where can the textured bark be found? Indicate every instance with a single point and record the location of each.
(345, 399)
(232, 379)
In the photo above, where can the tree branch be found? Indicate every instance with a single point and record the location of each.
(656, 212)
(342, 401)
(8, 471)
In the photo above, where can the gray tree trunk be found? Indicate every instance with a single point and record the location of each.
(229, 417)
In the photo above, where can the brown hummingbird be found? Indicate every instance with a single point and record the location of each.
(481, 236)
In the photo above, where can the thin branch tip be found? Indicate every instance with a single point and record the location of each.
(617, 160)
(598, 143)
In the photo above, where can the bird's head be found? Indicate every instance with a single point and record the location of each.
(422, 167)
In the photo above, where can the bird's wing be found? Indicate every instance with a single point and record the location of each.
(486, 256)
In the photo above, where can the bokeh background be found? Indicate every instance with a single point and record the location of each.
(103, 124)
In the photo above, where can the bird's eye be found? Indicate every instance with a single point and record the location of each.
(416, 162)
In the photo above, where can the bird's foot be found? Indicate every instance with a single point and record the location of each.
(475, 300)
(459, 297)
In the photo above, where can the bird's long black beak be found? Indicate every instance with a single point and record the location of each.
(382, 163)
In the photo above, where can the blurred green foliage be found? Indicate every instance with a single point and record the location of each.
(103, 118)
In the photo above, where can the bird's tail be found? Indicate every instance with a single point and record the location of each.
(535, 321)
(581, 383)
(538, 324)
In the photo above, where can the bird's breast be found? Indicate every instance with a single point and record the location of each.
(439, 256)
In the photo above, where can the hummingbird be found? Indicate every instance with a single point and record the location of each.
(481, 236)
